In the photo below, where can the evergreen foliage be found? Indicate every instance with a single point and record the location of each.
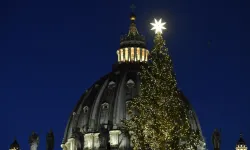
(159, 118)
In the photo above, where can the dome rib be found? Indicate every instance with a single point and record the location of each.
(69, 123)
(81, 102)
(94, 109)
(106, 105)
(116, 113)
(90, 102)
(184, 98)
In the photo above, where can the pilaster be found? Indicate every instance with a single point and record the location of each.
(114, 138)
(71, 144)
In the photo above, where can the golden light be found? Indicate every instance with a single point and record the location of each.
(158, 26)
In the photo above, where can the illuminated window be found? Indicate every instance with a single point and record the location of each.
(85, 109)
(121, 53)
(143, 54)
(105, 106)
(146, 59)
(126, 54)
(138, 54)
(132, 54)
(104, 115)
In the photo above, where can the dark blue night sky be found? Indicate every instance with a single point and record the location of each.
(52, 51)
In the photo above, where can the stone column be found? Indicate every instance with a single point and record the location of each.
(34, 141)
(71, 144)
(89, 141)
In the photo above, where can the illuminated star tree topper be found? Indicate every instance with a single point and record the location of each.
(158, 26)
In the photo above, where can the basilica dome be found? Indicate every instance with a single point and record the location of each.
(96, 119)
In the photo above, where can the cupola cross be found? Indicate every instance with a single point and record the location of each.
(132, 7)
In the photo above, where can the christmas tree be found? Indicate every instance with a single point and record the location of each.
(159, 119)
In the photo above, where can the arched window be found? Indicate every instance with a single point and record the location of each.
(132, 54)
(138, 56)
(83, 118)
(126, 54)
(104, 114)
(121, 53)
(143, 54)
(85, 109)
(111, 85)
(105, 106)
(130, 83)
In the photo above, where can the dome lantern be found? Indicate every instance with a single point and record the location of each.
(15, 145)
(241, 145)
(132, 45)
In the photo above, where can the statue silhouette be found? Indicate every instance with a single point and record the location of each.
(216, 139)
(50, 140)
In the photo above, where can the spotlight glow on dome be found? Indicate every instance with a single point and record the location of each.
(158, 26)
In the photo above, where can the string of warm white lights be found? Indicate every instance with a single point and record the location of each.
(159, 118)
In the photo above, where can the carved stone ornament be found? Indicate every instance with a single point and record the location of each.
(34, 138)
(216, 139)
(50, 140)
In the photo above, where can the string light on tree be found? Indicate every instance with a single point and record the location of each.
(158, 26)
(159, 117)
